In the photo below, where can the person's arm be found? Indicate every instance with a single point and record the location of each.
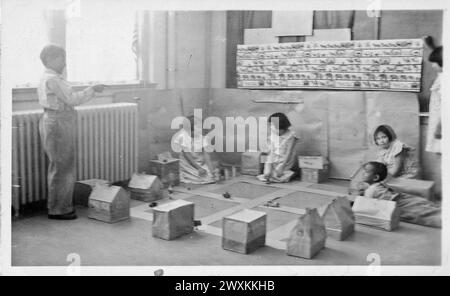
(438, 131)
(192, 162)
(290, 149)
(208, 161)
(399, 159)
(267, 169)
(64, 91)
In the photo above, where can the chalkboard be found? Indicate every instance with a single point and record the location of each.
(392, 65)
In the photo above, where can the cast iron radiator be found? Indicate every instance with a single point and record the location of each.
(106, 148)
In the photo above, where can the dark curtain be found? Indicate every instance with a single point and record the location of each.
(237, 21)
(332, 19)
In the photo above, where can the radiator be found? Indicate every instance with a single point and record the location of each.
(106, 148)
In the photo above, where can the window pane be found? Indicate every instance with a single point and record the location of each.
(30, 28)
(98, 43)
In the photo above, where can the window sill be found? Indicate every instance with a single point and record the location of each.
(24, 93)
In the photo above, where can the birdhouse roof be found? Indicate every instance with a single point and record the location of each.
(93, 182)
(246, 215)
(106, 193)
(142, 181)
(378, 208)
(172, 205)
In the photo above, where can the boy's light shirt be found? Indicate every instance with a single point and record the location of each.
(380, 191)
(56, 93)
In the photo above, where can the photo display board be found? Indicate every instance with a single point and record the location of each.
(392, 65)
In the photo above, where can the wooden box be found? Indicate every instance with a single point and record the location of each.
(421, 188)
(308, 237)
(145, 187)
(379, 213)
(338, 218)
(252, 163)
(314, 175)
(109, 203)
(83, 189)
(312, 162)
(244, 231)
(167, 170)
(173, 219)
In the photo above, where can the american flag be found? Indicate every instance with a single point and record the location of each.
(135, 44)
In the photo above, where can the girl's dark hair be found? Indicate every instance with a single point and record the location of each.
(379, 168)
(436, 54)
(283, 121)
(385, 130)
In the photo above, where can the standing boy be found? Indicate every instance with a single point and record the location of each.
(57, 130)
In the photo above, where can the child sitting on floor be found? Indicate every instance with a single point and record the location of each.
(413, 209)
(195, 163)
(396, 155)
(281, 157)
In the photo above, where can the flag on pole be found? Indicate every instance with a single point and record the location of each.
(135, 45)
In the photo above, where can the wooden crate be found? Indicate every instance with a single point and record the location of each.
(244, 231)
(314, 175)
(379, 213)
(83, 189)
(167, 170)
(173, 219)
(338, 218)
(145, 187)
(252, 163)
(423, 188)
(109, 204)
(308, 237)
(312, 162)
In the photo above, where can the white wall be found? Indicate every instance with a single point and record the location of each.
(187, 49)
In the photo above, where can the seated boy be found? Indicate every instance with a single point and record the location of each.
(195, 163)
(413, 209)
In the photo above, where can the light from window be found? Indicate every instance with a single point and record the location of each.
(99, 42)
(30, 28)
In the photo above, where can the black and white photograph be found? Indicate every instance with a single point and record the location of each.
(284, 138)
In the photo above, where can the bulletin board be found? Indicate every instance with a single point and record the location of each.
(391, 65)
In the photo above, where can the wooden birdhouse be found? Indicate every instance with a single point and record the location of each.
(252, 163)
(379, 213)
(168, 171)
(109, 203)
(308, 237)
(83, 189)
(145, 187)
(312, 162)
(314, 175)
(244, 231)
(314, 169)
(338, 218)
(173, 219)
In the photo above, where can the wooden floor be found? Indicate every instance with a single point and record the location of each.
(35, 239)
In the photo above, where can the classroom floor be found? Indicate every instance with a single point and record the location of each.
(38, 241)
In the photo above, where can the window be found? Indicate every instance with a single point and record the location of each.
(31, 31)
(99, 43)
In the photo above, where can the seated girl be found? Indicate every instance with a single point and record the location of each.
(396, 155)
(195, 163)
(281, 157)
